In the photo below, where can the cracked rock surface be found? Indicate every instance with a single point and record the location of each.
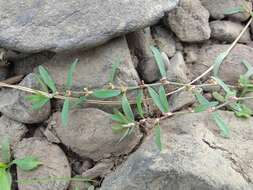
(194, 156)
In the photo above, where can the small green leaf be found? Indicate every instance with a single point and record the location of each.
(244, 111)
(119, 117)
(159, 61)
(163, 99)
(28, 163)
(156, 98)
(115, 68)
(234, 10)
(5, 180)
(5, 149)
(77, 102)
(70, 74)
(225, 87)
(127, 108)
(221, 124)
(218, 96)
(104, 93)
(47, 79)
(158, 140)
(139, 101)
(204, 107)
(117, 128)
(38, 101)
(126, 134)
(200, 98)
(218, 61)
(65, 112)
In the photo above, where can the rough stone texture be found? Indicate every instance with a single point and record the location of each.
(231, 68)
(195, 156)
(217, 8)
(189, 21)
(181, 100)
(139, 43)
(13, 103)
(78, 185)
(227, 31)
(4, 71)
(95, 66)
(55, 164)
(13, 130)
(165, 40)
(89, 134)
(33, 26)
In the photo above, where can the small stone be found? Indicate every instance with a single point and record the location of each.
(189, 21)
(92, 127)
(228, 31)
(217, 8)
(165, 40)
(11, 129)
(13, 103)
(54, 165)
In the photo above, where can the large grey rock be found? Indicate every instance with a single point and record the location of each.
(227, 31)
(55, 165)
(195, 156)
(232, 67)
(95, 66)
(4, 72)
(11, 129)
(14, 104)
(189, 21)
(33, 26)
(217, 8)
(89, 134)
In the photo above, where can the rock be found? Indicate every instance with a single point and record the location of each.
(189, 21)
(13, 130)
(78, 185)
(217, 8)
(27, 64)
(227, 31)
(249, 103)
(181, 100)
(139, 43)
(194, 156)
(92, 127)
(34, 26)
(165, 40)
(4, 72)
(13, 103)
(55, 165)
(95, 66)
(232, 67)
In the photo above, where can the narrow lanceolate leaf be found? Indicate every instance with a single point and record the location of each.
(104, 93)
(77, 102)
(38, 101)
(200, 98)
(224, 86)
(204, 107)
(28, 163)
(139, 101)
(70, 74)
(163, 99)
(115, 68)
(159, 61)
(65, 112)
(117, 128)
(243, 111)
(218, 61)
(158, 139)
(5, 180)
(156, 99)
(126, 134)
(234, 10)
(47, 79)
(221, 124)
(5, 150)
(218, 96)
(127, 108)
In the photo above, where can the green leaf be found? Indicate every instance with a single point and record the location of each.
(221, 124)
(5, 180)
(47, 79)
(159, 61)
(244, 111)
(115, 68)
(104, 93)
(127, 108)
(158, 140)
(37, 100)
(5, 150)
(28, 163)
(65, 112)
(126, 134)
(163, 98)
(44, 87)
(249, 68)
(70, 74)
(234, 10)
(218, 96)
(119, 117)
(200, 98)
(117, 128)
(218, 61)
(204, 107)
(156, 98)
(139, 101)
